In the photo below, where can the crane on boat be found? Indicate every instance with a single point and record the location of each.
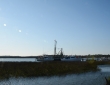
(57, 57)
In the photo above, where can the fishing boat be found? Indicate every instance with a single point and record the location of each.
(45, 58)
(71, 58)
(55, 57)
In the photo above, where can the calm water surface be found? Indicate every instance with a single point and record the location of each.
(90, 78)
(18, 59)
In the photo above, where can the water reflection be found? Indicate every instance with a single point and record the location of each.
(90, 78)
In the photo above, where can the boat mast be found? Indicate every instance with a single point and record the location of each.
(55, 47)
(61, 52)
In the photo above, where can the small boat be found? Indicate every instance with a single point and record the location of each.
(71, 58)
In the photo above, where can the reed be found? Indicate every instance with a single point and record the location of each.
(35, 69)
(102, 62)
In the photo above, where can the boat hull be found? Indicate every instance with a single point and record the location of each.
(71, 59)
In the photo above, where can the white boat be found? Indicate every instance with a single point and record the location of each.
(45, 58)
(71, 58)
(55, 57)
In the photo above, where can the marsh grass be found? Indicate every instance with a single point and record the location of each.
(35, 69)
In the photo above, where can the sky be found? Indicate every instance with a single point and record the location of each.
(29, 27)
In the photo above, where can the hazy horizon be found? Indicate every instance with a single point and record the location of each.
(29, 27)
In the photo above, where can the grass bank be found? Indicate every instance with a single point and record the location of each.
(102, 62)
(34, 69)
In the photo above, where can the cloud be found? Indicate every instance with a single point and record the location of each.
(19, 30)
(4, 25)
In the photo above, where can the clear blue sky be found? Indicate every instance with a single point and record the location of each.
(29, 27)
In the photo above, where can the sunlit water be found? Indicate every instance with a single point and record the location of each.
(90, 78)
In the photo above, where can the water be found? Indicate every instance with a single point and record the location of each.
(18, 59)
(90, 78)
(31, 59)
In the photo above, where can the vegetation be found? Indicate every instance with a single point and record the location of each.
(102, 62)
(34, 69)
